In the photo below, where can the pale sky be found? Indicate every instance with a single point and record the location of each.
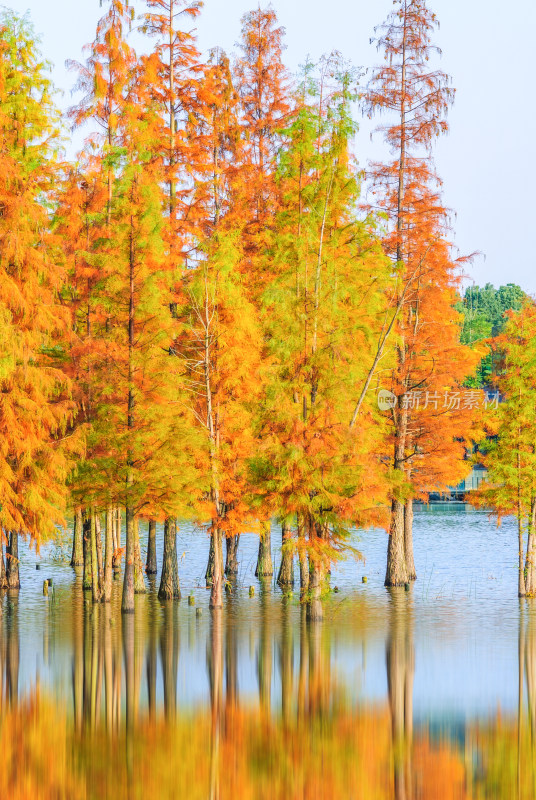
(486, 162)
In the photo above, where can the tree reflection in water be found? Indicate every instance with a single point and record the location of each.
(277, 719)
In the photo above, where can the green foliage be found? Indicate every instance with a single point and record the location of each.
(483, 310)
(510, 453)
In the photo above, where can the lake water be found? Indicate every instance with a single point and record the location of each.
(429, 693)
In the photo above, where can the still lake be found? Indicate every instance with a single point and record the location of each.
(396, 695)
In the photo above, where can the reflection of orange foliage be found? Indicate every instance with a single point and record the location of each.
(35, 755)
(438, 772)
(319, 758)
(257, 757)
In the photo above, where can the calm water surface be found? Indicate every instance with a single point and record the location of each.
(427, 693)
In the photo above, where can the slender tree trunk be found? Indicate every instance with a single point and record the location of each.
(529, 565)
(87, 580)
(77, 557)
(216, 594)
(95, 582)
(114, 532)
(521, 582)
(265, 567)
(209, 574)
(304, 566)
(3, 576)
(285, 579)
(116, 559)
(98, 540)
(150, 567)
(231, 562)
(12, 566)
(127, 603)
(108, 555)
(139, 581)
(530, 576)
(169, 581)
(317, 571)
(408, 540)
(397, 570)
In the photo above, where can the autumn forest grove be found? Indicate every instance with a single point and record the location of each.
(201, 310)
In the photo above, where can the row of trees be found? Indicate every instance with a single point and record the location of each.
(199, 312)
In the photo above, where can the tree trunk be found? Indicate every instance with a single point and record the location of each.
(3, 576)
(169, 581)
(529, 565)
(150, 567)
(95, 574)
(87, 580)
(317, 571)
(77, 557)
(116, 561)
(139, 581)
(231, 561)
(530, 576)
(408, 540)
(315, 611)
(12, 566)
(98, 540)
(108, 555)
(216, 595)
(209, 574)
(521, 589)
(397, 573)
(304, 566)
(127, 602)
(265, 567)
(285, 579)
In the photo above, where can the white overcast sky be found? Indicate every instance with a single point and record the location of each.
(486, 162)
